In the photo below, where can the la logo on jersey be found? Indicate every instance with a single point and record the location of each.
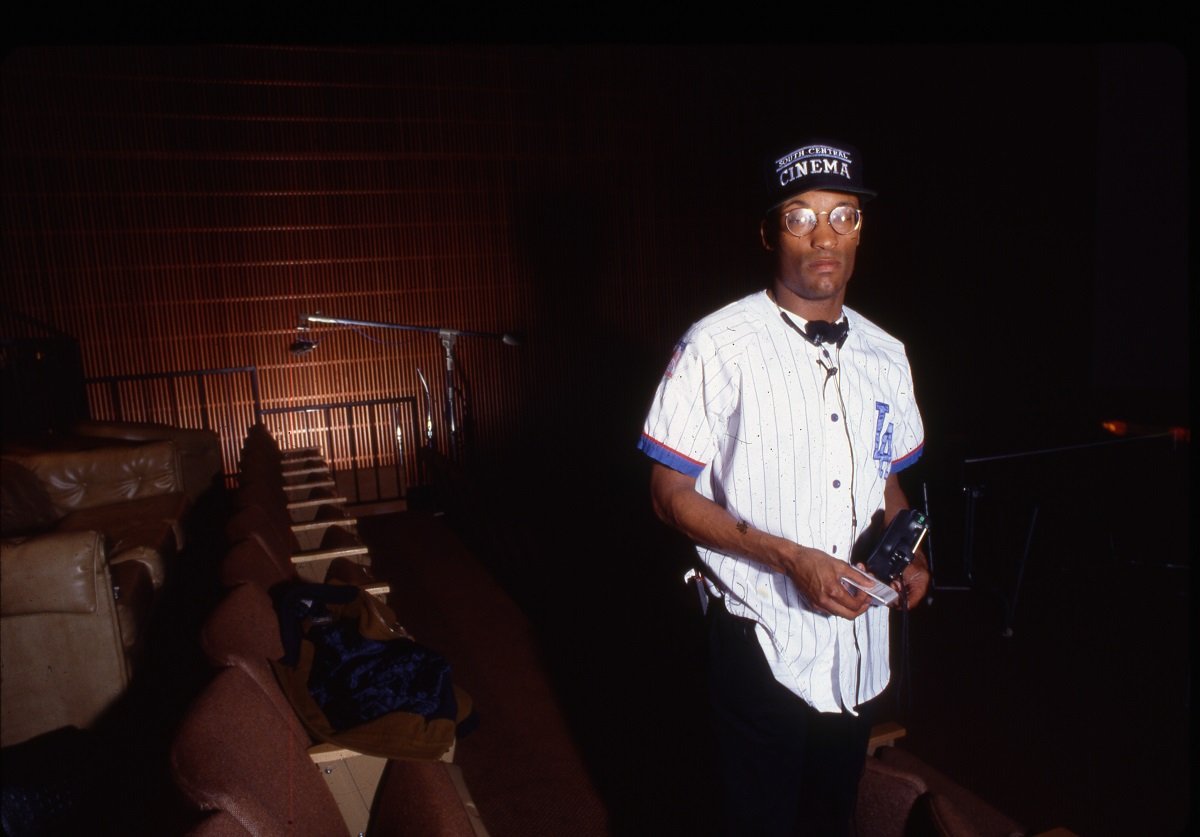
(883, 439)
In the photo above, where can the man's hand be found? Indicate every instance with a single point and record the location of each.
(816, 574)
(818, 577)
(913, 583)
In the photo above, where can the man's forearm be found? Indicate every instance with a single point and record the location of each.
(679, 505)
(817, 576)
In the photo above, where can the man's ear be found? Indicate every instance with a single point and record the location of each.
(768, 241)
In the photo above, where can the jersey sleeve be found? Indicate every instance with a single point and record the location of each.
(681, 430)
(909, 443)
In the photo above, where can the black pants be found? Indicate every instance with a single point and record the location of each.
(787, 769)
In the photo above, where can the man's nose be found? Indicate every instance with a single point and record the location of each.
(824, 237)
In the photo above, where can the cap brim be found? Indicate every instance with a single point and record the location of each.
(865, 194)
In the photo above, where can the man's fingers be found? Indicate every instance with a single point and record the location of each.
(838, 601)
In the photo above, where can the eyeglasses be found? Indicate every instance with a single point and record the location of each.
(801, 221)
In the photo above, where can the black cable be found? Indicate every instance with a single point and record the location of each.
(903, 679)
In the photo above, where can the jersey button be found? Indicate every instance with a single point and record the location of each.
(837, 483)
(833, 417)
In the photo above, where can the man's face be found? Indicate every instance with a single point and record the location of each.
(817, 266)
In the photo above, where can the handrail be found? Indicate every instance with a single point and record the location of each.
(377, 458)
(113, 383)
(119, 398)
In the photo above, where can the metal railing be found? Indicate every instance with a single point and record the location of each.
(371, 445)
(121, 388)
(364, 442)
(225, 400)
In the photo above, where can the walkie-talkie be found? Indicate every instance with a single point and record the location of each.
(899, 544)
(893, 553)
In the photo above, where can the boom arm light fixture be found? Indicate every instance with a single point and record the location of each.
(448, 338)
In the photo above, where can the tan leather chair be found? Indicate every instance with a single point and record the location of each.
(132, 492)
(71, 629)
(199, 451)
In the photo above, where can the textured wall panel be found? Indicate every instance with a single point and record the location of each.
(179, 208)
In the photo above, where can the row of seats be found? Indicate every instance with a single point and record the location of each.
(94, 521)
(288, 522)
(253, 750)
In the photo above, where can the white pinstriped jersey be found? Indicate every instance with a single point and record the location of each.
(748, 408)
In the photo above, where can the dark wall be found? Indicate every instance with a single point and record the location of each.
(42, 387)
(1140, 346)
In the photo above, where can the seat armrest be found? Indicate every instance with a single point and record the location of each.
(884, 735)
(300, 453)
(310, 556)
(308, 485)
(317, 497)
(309, 535)
(300, 471)
(312, 565)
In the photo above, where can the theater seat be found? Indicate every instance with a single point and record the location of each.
(71, 630)
(236, 753)
(423, 797)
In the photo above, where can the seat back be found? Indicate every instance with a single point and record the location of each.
(63, 660)
(953, 808)
(218, 824)
(887, 803)
(103, 476)
(243, 631)
(243, 624)
(234, 752)
(248, 560)
(200, 463)
(253, 519)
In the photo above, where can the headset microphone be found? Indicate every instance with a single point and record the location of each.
(819, 331)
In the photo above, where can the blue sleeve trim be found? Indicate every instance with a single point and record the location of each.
(908, 459)
(673, 459)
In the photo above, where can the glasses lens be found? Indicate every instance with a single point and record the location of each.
(844, 219)
(800, 221)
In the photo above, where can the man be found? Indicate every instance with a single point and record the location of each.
(777, 433)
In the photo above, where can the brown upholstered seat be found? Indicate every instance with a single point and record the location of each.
(235, 752)
(277, 540)
(422, 796)
(902, 796)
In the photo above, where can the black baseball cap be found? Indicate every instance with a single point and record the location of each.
(817, 164)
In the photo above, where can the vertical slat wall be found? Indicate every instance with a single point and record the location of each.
(179, 208)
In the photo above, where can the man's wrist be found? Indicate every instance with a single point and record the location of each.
(791, 556)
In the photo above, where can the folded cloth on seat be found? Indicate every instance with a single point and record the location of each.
(360, 681)
(301, 602)
(355, 679)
